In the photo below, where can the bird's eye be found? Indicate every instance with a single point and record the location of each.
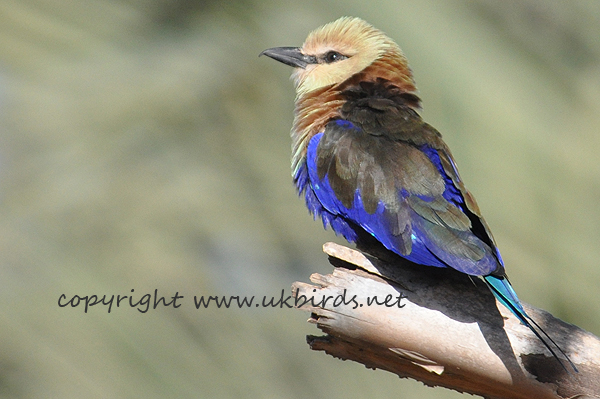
(333, 56)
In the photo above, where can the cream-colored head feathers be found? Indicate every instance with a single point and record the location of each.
(335, 57)
(355, 39)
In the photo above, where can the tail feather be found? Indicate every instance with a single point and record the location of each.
(503, 291)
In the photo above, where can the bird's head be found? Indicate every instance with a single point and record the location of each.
(339, 50)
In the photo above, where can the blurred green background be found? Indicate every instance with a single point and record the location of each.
(144, 145)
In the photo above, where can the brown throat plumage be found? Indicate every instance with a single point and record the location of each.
(314, 109)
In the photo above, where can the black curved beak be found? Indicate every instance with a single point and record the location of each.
(291, 56)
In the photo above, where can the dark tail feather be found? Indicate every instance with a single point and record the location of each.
(503, 291)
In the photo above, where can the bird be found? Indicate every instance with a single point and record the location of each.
(369, 166)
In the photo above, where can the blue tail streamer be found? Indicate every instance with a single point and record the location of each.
(504, 292)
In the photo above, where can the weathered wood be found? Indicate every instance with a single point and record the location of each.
(442, 328)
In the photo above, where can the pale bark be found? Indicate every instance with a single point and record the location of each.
(442, 328)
